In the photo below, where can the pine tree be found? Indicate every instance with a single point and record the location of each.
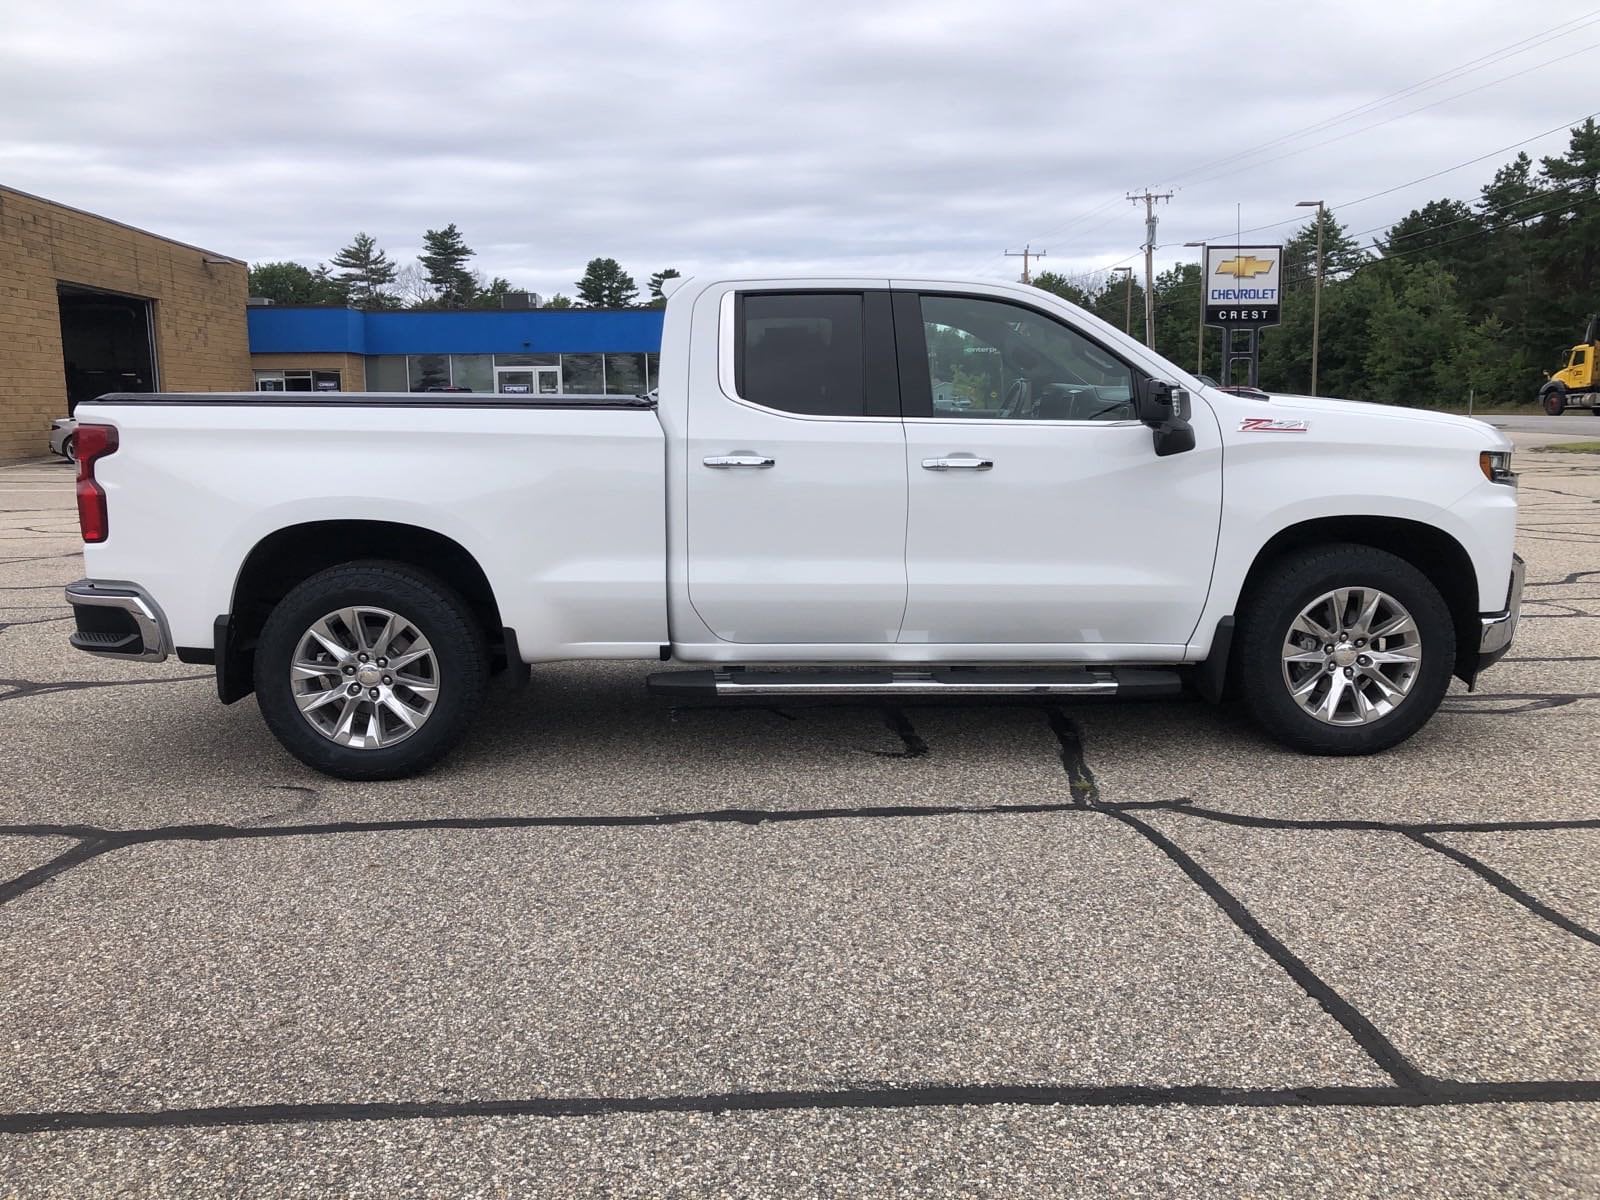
(365, 273)
(606, 285)
(657, 282)
(444, 258)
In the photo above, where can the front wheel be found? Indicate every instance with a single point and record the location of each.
(372, 670)
(1555, 403)
(1344, 649)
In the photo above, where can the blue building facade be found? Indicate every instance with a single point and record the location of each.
(506, 352)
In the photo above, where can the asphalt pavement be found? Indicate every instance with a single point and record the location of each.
(616, 948)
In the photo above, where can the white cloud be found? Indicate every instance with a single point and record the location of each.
(926, 136)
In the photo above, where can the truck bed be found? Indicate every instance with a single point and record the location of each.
(560, 499)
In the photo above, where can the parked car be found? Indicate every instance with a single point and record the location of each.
(62, 439)
(794, 517)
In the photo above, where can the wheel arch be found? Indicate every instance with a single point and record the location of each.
(1439, 556)
(287, 556)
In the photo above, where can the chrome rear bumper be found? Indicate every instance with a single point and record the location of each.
(118, 620)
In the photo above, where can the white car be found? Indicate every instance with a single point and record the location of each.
(794, 516)
(62, 439)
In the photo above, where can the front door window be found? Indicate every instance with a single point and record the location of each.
(989, 360)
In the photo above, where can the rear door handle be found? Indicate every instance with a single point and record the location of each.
(723, 461)
(958, 464)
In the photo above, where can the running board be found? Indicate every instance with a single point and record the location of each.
(1123, 682)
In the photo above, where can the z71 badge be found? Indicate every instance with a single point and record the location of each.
(1273, 425)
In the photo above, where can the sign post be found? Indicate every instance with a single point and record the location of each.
(1243, 296)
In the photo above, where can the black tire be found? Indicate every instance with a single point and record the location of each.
(1295, 581)
(69, 450)
(1555, 402)
(439, 614)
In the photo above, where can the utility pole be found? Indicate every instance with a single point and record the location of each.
(1025, 254)
(1127, 316)
(1200, 325)
(1316, 297)
(1149, 199)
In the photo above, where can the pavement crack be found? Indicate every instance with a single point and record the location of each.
(911, 740)
(1080, 779)
(1507, 888)
(85, 849)
(880, 1097)
(1365, 1034)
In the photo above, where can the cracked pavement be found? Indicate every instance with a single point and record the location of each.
(615, 948)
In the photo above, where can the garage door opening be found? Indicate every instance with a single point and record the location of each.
(106, 342)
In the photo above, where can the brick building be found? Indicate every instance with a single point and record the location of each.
(89, 305)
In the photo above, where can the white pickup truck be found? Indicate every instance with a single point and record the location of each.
(846, 487)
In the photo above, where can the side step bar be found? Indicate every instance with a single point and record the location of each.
(1123, 682)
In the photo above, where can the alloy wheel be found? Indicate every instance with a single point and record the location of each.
(1351, 656)
(364, 677)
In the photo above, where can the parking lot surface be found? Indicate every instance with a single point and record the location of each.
(615, 948)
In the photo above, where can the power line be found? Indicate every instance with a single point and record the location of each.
(1398, 116)
(1421, 179)
(1511, 50)
(1488, 59)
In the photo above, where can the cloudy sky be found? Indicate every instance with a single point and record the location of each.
(866, 136)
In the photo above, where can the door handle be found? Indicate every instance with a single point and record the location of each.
(723, 461)
(957, 464)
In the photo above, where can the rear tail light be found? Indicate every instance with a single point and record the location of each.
(92, 443)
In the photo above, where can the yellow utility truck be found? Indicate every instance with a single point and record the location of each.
(1577, 384)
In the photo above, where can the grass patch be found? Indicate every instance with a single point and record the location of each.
(1573, 447)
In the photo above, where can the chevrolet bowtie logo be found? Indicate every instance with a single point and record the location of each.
(1245, 266)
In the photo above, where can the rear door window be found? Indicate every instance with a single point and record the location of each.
(802, 352)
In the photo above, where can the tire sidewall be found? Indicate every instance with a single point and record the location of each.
(1555, 403)
(1294, 583)
(438, 614)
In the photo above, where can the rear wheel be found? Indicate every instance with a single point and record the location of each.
(371, 670)
(1344, 650)
(69, 449)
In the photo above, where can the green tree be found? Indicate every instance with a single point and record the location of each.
(292, 283)
(559, 301)
(1059, 285)
(444, 258)
(1341, 253)
(606, 285)
(658, 282)
(1415, 337)
(491, 294)
(366, 273)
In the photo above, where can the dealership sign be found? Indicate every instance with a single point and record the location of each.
(1242, 284)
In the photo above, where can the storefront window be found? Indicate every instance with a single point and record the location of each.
(583, 374)
(387, 373)
(429, 372)
(625, 375)
(298, 381)
(475, 372)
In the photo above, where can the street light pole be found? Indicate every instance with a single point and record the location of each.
(1200, 325)
(1316, 298)
(1127, 317)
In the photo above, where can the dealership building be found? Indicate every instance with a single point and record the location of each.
(514, 352)
(89, 305)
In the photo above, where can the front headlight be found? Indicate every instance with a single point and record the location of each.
(1496, 467)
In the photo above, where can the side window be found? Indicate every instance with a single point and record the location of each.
(802, 352)
(996, 361)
